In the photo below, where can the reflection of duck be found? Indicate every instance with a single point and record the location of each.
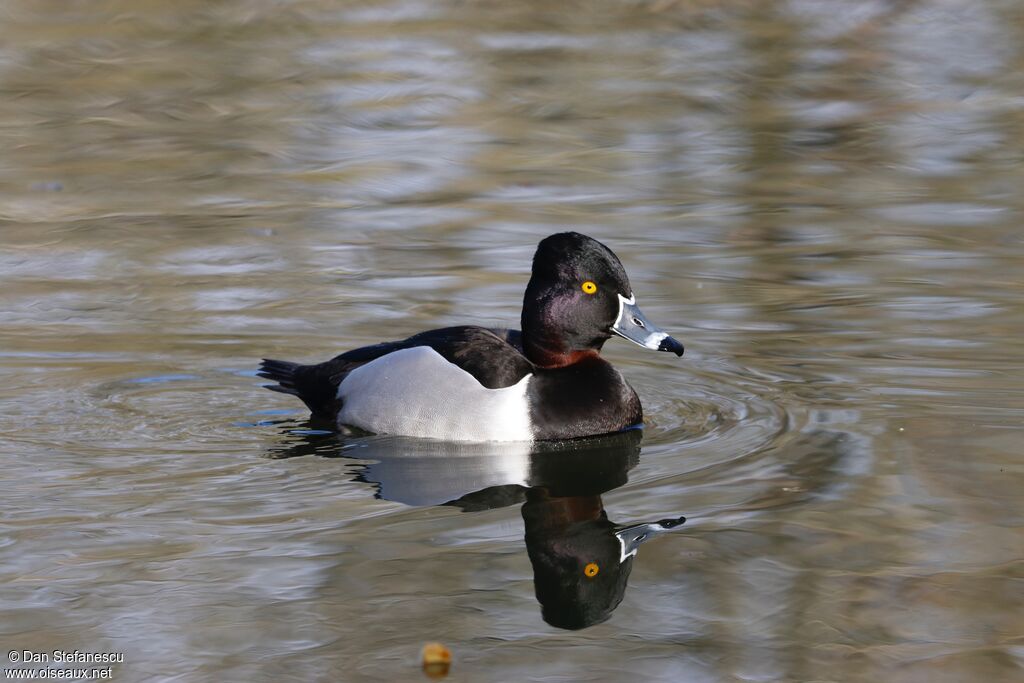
(470, 383)
(581, 560)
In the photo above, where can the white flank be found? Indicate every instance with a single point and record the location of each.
(416, 392)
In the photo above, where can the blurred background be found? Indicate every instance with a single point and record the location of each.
(820, 198)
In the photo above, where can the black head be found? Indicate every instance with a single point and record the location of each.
(577, 297)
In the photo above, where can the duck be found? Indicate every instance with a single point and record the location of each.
(544, 382)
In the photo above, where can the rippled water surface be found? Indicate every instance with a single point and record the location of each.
(822, 200)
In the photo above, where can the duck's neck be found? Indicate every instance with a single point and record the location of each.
(543, 512)
(553, 356)
(548, 345)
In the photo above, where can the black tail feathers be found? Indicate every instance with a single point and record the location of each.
(282, 372)
(315, 385)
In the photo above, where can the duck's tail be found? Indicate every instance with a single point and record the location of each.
(282, 372)
(315, 385)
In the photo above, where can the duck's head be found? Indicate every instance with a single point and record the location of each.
(578, 296)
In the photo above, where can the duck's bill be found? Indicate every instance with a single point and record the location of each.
(631, 537)
(634, 326)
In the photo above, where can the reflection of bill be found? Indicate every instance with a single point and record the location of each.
(581, 560)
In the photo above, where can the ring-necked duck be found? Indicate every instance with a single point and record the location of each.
(472, 383)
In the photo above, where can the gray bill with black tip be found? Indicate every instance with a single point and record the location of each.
(634, 326)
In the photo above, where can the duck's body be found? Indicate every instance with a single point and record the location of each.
(471, 383)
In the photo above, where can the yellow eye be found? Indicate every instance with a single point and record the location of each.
(591, 570)
(589, 288)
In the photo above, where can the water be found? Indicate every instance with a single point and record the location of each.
(821, 200)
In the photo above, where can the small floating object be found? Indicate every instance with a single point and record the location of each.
(437, 659)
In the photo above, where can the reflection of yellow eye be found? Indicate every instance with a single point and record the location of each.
(591, 570)
(589, 288)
